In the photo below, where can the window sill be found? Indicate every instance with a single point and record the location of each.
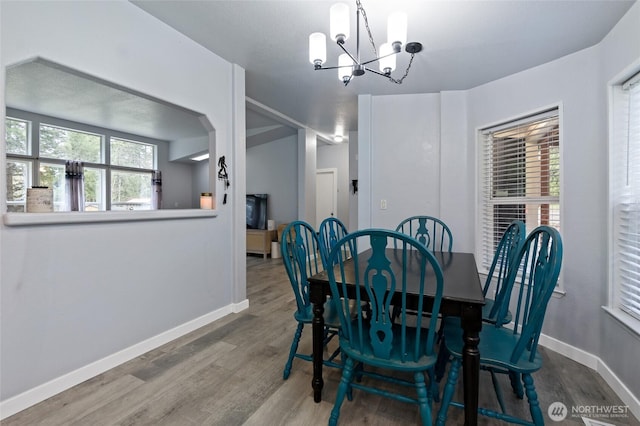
(25, 219)
(632, 324)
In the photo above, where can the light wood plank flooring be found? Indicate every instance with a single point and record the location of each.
(230, 373)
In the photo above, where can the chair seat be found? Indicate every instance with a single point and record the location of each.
(367, 356)
(330, 315)
(496, 345)
(486, 312)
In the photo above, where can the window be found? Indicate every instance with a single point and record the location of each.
(117, 171)
(18, 136)
(625, 197)
(520, 177)
(67, 144)
(132, 154)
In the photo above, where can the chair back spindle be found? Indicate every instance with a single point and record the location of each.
(331, 230)
(432, 232)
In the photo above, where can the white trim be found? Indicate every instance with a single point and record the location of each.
(239, 307)
(571, 352)
(21, 219)
(595, 363)
(46, 390)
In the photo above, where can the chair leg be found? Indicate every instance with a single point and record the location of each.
(292, 351)
(498, 389)
(395, 313)
(441, 362)
(449, 389)
(532, 396)
(345, 384)
(516, 384)
(424, 399)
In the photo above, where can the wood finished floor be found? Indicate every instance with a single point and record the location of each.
(230, 373)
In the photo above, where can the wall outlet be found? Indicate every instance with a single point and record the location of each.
(383, 204)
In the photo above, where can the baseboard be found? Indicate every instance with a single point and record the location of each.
(571, 352)
(239, 307)
(595, 363)
(38, 394)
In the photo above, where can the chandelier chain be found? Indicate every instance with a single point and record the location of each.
(373, 45)
(366, 24)
(406, 72)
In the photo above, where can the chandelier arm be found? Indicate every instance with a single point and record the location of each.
(378, 72)
(355, 61)
(333, 68)
(378, 58)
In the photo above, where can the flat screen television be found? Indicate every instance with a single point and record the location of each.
(257, 211)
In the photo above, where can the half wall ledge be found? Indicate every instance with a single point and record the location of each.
(27, 219)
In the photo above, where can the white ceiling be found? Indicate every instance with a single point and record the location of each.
(47, 88)
(466, 44)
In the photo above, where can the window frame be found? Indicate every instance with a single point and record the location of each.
(618, 138)
(555, 109)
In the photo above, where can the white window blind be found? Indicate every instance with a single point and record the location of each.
(626, 199)
(520, 177)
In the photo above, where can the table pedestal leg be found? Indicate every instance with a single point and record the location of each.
(318, 299)
(471, 324)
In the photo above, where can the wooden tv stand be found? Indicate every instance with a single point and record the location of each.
(259, 241)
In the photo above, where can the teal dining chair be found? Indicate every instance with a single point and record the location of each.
(504, 254)
(432, 232)
(330, 231)
(513, 351)
(388, 265)
(301, 257)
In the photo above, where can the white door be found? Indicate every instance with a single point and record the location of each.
(326, 194)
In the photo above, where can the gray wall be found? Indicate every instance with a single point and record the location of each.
(272, 168)
(440, 167)
(66, 314)
(353, 174)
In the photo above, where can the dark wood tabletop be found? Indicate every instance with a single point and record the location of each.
(462, 297)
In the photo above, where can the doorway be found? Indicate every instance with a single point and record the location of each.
(326, 194)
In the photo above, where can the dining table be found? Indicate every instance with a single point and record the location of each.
(462, 297)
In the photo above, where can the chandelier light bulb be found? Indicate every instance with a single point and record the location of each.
(397, 29)
(388, 63)
(339, 22)
(317, 48)
(345, 65)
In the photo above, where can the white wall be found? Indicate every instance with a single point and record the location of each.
(72, 295)
(400, 137)
(307, 157)
(414, 157)
(272, 168)
(337, 156)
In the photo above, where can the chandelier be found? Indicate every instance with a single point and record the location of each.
(350, 65)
